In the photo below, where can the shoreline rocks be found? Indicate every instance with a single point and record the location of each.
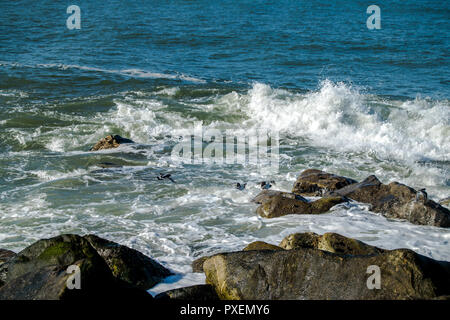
(110, 142)
(313, 182)
(306, 272)
(106, 270)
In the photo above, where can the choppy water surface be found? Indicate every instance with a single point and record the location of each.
(343, 98)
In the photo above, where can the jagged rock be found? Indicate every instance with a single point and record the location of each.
(40, 272)
(280, 204)
(5, 255)
(110, 142)
(202, 292)
(313, 182)
(197, 264)
(396, 200)
(128, 264)
(331, 242)
(307, 273)
(260, 245)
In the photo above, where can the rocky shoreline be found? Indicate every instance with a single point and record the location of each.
(302, 266)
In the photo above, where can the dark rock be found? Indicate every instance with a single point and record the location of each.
(110, 142)
(5, 255)
(40, 272)
(331, 242)
(128, 264)
(267, 195)
(313, 182)
(306, 273)
(396, 200)
(282, 203)
(202, 292)
(197, 264)
(260, 245)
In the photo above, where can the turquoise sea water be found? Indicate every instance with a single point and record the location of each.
(343, 98)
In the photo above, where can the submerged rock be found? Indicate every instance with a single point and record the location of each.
(128, 264)
(313, 182)
(110, 142)
(40, 271)
(203, 292)
(305, 272)
(282, 203)
(396, 200)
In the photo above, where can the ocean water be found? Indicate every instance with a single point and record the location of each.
(342, 98)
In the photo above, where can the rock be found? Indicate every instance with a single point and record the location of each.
(5, 255)
(277, 205)
(313, 182)
(331, 242)
(202, 292)
(197, 264)
(267, 195)
(128, 264)
(260, 245)
(40, 272)
(445, 202)
(307, 273)
(396, 200)
(110, 142)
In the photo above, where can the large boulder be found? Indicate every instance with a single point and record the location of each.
(308, 273)
(274, 205)
(110, 142)
(41, 271)
(128, 264)
(203, 292)
(396, 200)
(313, 182)
(261, 245)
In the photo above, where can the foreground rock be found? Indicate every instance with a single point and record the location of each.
(110, 142)
(396, 200)
(40, 270)
(203, 292)
(128, 264)
(277, 204)
(305, 272)
(313, 182)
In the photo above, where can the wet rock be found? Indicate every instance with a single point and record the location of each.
(313, 182)
(260, 245)
(267, 195)
(331, 242)
(396, 200)
(40, 271)
(197, 264)
(5, 255)
(203, 292)
(128, 264)
(282, 203)
(110, 142)
(309, 273)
